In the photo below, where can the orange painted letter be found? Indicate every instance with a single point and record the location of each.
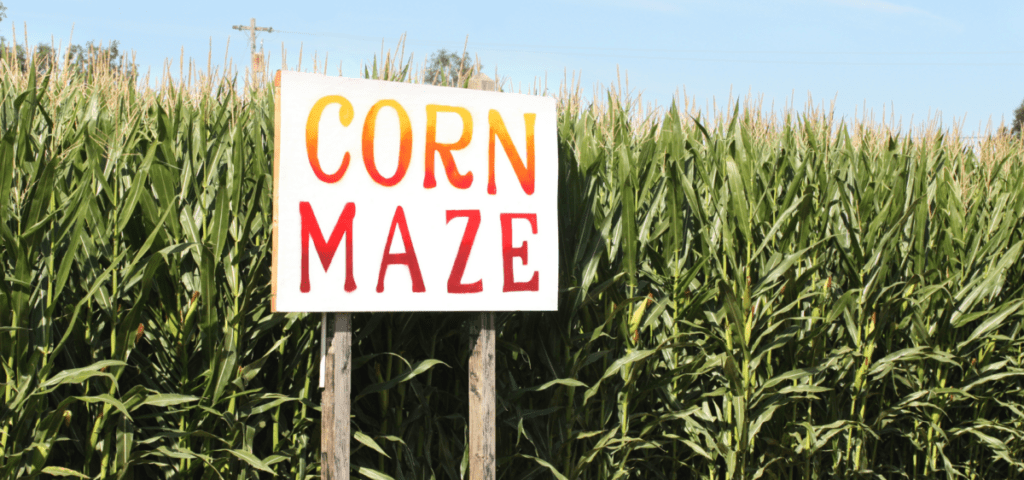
(525, 173)
(445, 149)
(405, 145)
(345, 114)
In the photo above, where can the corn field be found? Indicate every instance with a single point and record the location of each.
(742, 296)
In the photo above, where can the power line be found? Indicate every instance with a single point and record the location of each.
(554, 50)
(252, 28)
(797, 62)
(520, 47)
(255, 58)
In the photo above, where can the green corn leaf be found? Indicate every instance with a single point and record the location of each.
(373, 474)
(79, 375)
(251, 459)
(417, 368)
(107, 399)
(367, 441)
(168, 399)
(63, 472)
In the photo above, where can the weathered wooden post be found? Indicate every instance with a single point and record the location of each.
(327, 470)
(336, 399)
(482, 399)
(342, 346)
(481, 81)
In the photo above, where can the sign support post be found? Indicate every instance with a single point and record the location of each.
(342, 346)
(336, 401)
(327, 406)
(482, 399)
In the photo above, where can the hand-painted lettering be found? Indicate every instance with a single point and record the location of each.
(408, 258)
(326, 249)
(455, 284)
(525, 173)
(508, 252)
(404, 146)
(345, 114)
(457, 179)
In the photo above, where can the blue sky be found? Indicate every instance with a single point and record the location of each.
(914, 58)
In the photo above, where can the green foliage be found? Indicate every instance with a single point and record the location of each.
(1018, 120)
(824, 306)
(90, 59)
(448, 68)
(136, 332)
(93, 56)
(739, 299)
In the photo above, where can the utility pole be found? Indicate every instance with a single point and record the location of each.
(257, 59)
(252, 28)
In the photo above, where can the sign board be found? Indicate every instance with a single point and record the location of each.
(398, 197)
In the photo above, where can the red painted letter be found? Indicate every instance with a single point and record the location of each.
(325, 250)
(455, 284)
(408, 258)
(508, 253)
(525, 173)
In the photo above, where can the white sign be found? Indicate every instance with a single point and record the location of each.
(398, 197)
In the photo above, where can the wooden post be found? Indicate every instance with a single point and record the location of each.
(327, 418)
(342, 347)
(482, 401)
(481, 81)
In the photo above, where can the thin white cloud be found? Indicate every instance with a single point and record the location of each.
(651, 5)
(884, 7)
(667, 6)
(881, 6)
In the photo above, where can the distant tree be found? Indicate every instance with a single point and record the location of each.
(88, 59)
(45, 58)
(93, 56)
(3, 15)
(1018, 120)
(447, 68)
(12, 52)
